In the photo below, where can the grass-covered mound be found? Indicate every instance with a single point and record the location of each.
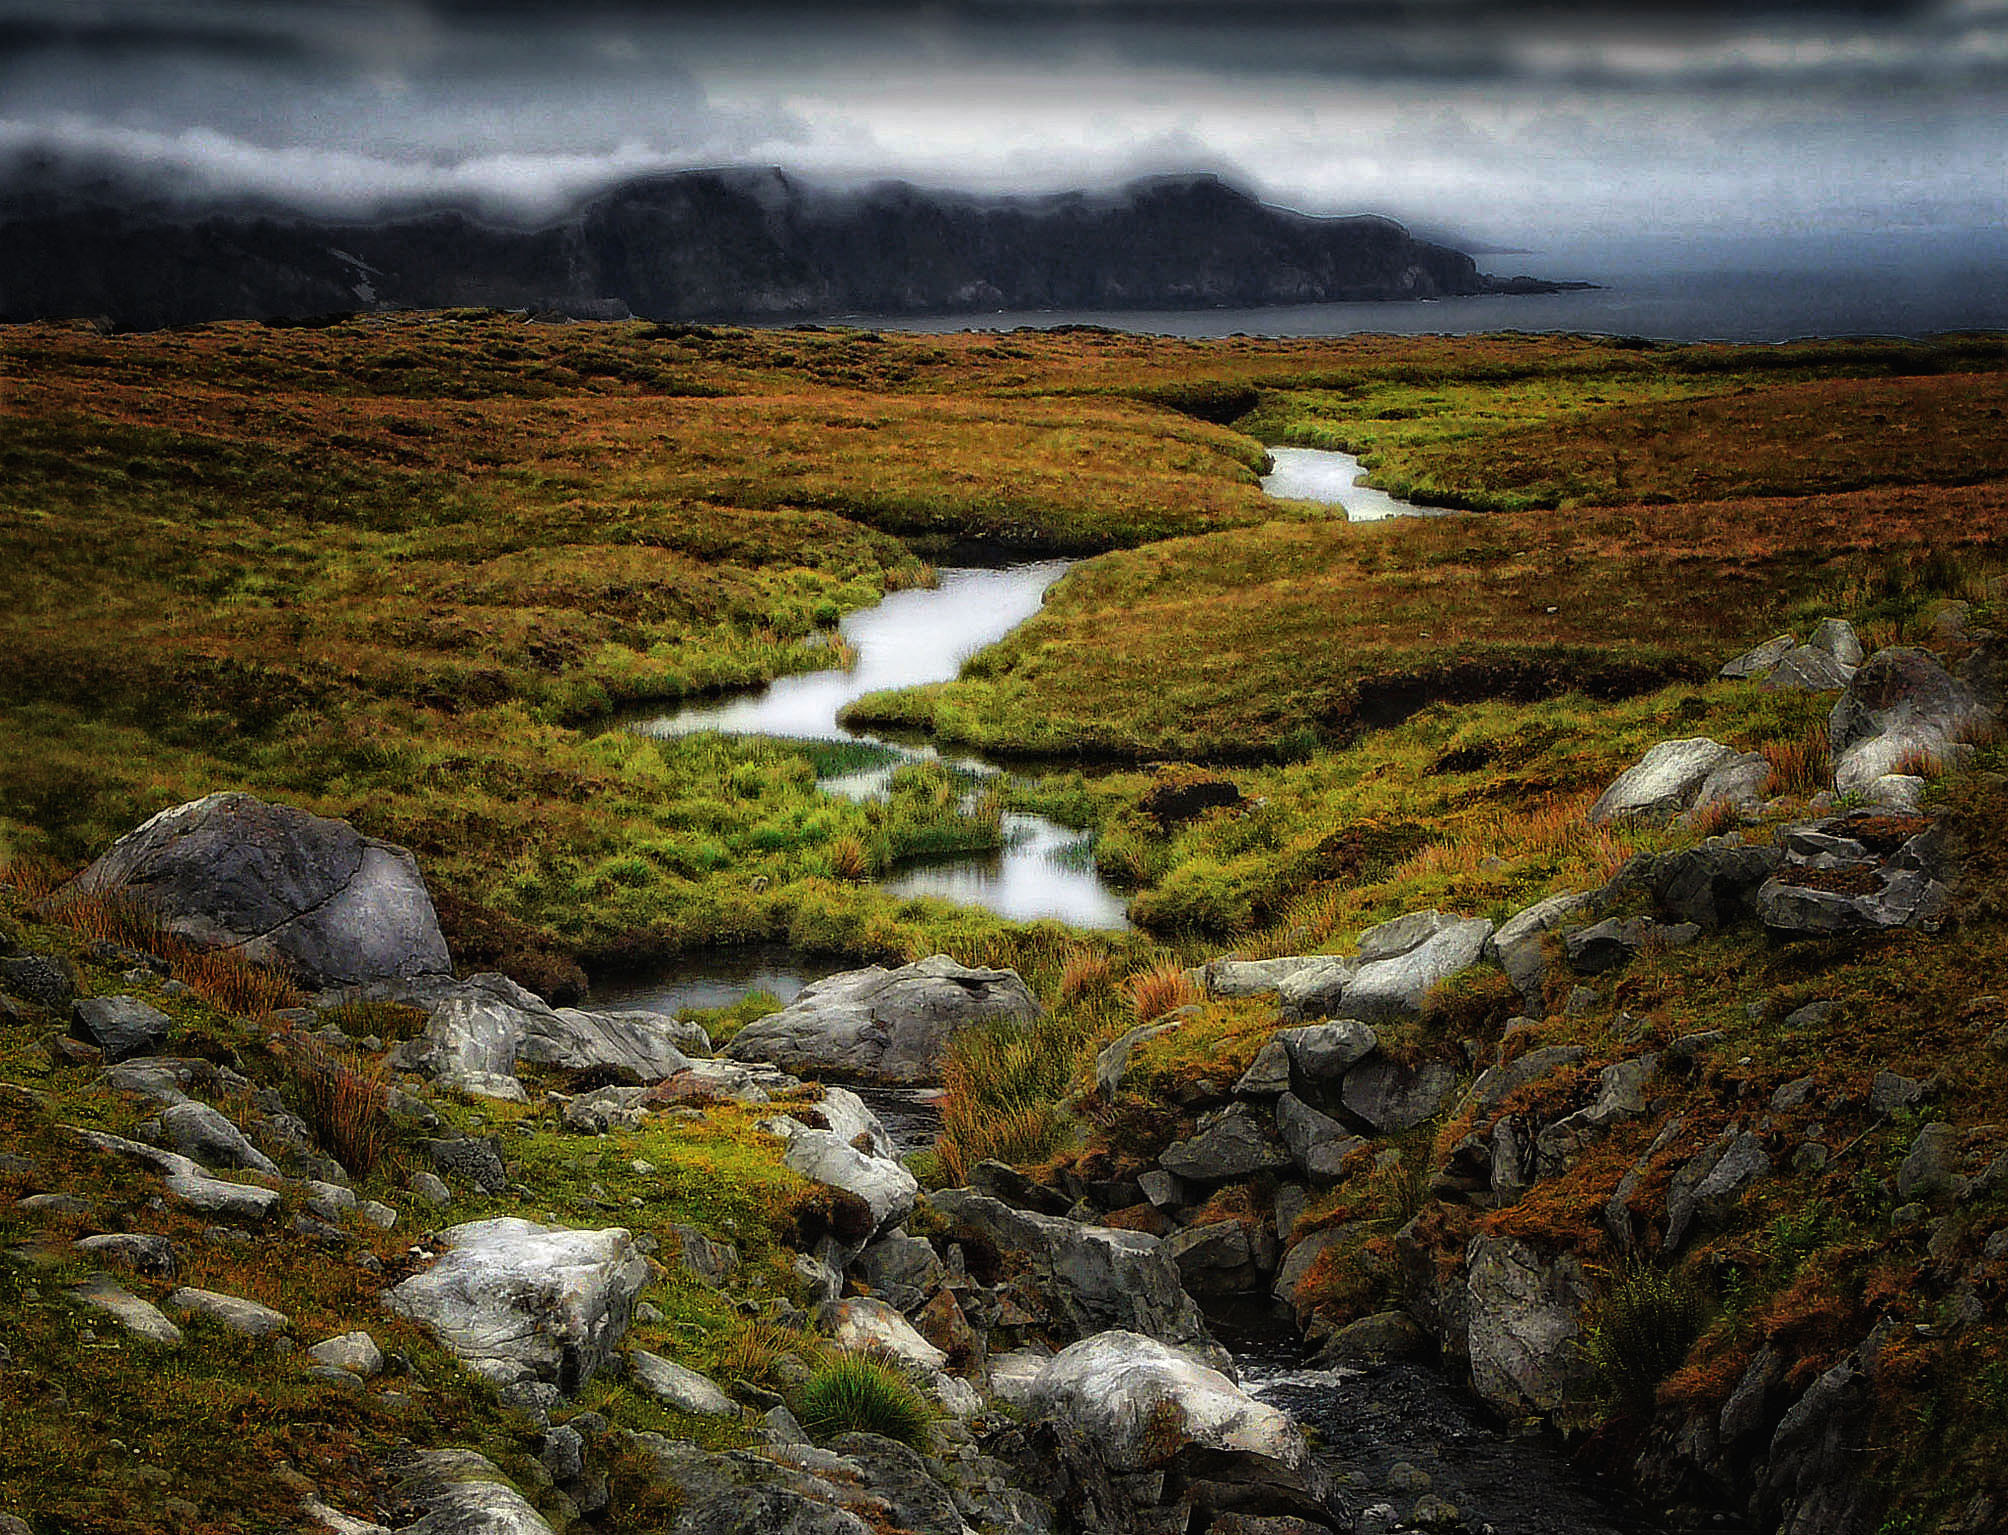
(1272, 641)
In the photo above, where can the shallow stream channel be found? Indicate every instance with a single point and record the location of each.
(1393, 1438)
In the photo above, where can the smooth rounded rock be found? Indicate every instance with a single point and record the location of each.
(282, 886)
(356, 1352)
(884, 1025)
(1138, 1403)
(678, 1386)
(518, 1301)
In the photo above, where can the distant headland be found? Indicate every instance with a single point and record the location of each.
(750, 245)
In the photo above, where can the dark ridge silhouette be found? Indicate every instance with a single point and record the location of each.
(715, 245)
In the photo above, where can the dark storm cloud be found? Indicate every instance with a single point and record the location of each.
(1509, 118)
(1459, 40)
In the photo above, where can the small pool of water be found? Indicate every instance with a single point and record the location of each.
(716, 978)
(1320, 474)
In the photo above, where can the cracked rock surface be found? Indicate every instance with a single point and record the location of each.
(282, 885)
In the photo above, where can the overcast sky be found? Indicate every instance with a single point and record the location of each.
(1538, 125)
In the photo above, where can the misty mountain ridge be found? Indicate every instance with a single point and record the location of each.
(740, 244)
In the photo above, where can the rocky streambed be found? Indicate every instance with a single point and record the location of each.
(1396, 1441)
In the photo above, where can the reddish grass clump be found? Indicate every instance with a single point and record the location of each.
(1804, 767)
(1153, 993)
(104, 916)
(347, 1104)
(849, 859)
(225, 978)
(1086, 974)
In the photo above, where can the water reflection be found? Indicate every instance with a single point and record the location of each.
(1320, 474)
(913, 637)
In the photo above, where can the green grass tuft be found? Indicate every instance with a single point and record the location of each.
(867, 1394)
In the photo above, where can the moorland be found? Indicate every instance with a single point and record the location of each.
(407, 570)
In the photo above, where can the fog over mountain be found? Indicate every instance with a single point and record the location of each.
(1495, 123)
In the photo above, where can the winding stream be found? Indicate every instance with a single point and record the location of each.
(1321, 474)
(924, 635)
(913, 637)
(1392, 1435)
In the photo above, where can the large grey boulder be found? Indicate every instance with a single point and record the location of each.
(884, 1188)
(1741, 781)
(744, 1493)
(1253, 977)
(1315, 989)
(188, 1185)
(1808, 670)
(1400, 935)
(283, 886)
(1755, 663)
(1710, 1184)
(518, 1301)
(1525, 1312)
(1398, 985)
(1388, 1097)
(636, 1046)
(1899, 705)
(1498, 1083)
(481, 1028)
(1712, 885)
(233, 1313)
(884, 1025)
(679, 1386)
(864, 1324)
(1837, 637)
(1215, 1259)
(1318, 1143)
(901, 1270)
(120, 1026)
(139, 1317)
(140, 1251)
(1088, 1278)
(898, 1474)
(1135, 1405)
(1298, 1261)
(1322, 1053)
(1662, 783)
